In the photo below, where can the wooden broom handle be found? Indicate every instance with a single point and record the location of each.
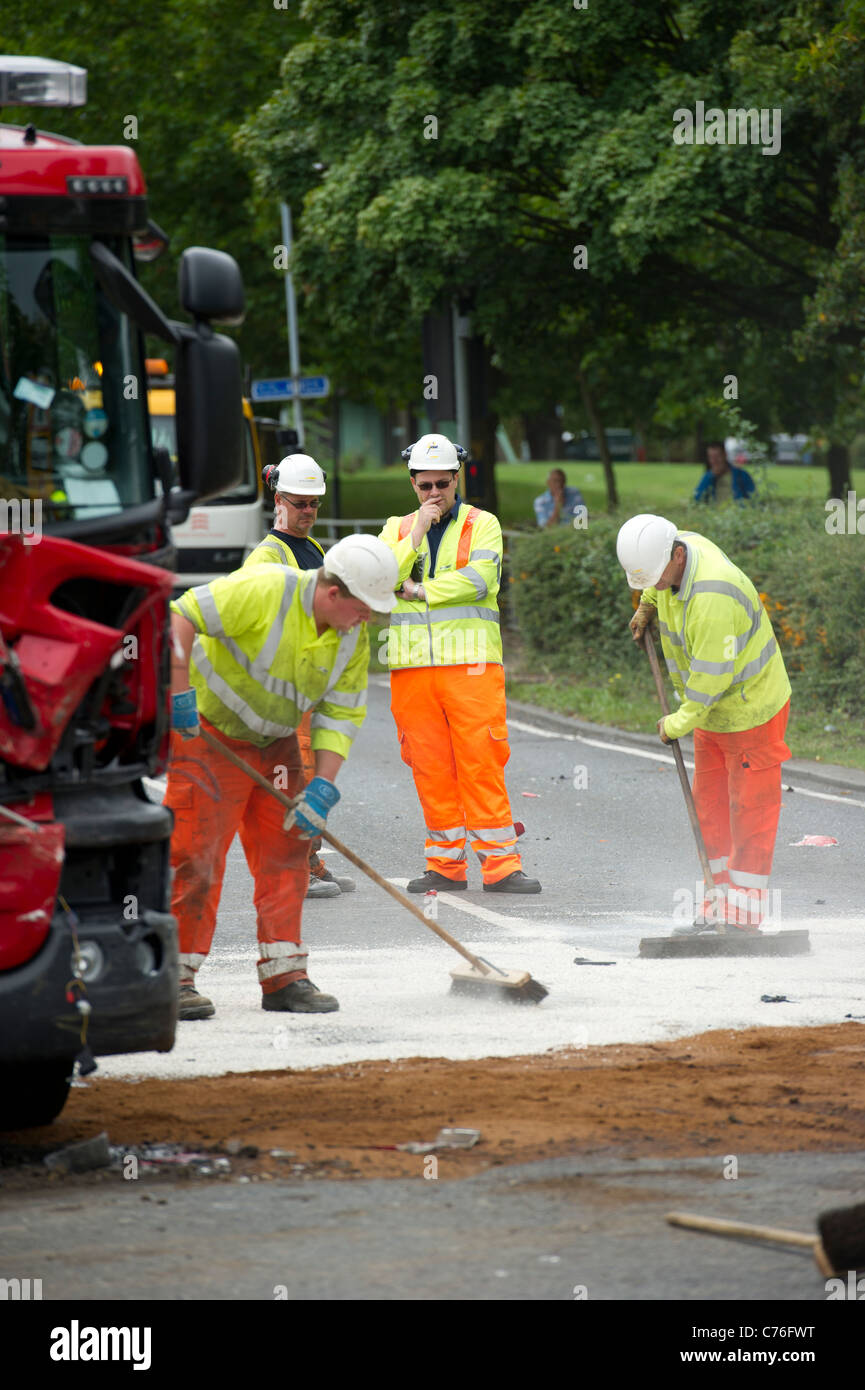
(353, 858)
(649, 644)
(740, 1228)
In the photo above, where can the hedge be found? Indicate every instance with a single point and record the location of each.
(572, 604)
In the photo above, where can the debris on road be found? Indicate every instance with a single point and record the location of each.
(818, 841)
(152, 1157)
(80, 1158)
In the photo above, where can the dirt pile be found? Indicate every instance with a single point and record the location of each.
(724, 1092)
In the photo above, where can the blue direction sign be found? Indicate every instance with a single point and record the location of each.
(314, 386)
(283, 388)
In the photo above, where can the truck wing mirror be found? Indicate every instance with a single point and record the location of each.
(210, 285)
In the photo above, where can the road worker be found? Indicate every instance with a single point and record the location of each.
(299, 486)
(444, 651)
(252, 652)
(728, 671)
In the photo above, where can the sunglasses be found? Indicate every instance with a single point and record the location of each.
(441, 485)
(315, 502)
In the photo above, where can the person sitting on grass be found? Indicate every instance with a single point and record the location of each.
(722, 481)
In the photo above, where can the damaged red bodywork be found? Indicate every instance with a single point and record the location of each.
(59, 656)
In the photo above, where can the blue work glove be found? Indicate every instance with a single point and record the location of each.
(184, 714)
(310, 813)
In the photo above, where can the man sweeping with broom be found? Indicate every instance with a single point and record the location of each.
(252, 652)
(729, 674)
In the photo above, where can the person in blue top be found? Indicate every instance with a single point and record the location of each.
(558, 505)
(722, 481)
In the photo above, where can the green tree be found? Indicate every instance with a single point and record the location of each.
(461, 149)
(188, 71)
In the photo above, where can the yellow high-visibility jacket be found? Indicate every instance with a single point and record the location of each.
(273, 551)
(459, 622)
(720, 649)
(258, 663)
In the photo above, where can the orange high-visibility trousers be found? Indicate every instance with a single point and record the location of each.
(453, 735)
(212, 800)
(737, 791)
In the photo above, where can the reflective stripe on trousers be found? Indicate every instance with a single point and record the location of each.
(212, 800)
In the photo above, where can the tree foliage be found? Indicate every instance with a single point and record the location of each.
(461, 149)
(189, 71)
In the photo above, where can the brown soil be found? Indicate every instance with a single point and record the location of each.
(761, 1090)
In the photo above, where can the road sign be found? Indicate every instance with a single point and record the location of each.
(283, 388)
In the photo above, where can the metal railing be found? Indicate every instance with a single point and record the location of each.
(357, 524)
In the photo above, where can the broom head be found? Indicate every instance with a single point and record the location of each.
(514, 985)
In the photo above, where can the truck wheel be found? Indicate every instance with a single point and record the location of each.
(33, 1093)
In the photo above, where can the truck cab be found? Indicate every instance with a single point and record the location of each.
(88, 952)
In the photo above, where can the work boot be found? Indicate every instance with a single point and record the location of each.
(514, 883)
(342, 881)
(301, 997)
(191, 1004)
(718, 928)
(432, 882)
(321, 888)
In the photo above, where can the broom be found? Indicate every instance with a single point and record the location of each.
(839, 1246)
(714, 894)
(480, 978)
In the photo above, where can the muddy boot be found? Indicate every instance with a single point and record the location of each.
(192, 1005)
(301, 997)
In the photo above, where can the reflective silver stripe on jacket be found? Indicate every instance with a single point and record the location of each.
(347, 648)
(446, 615)
(489, 555)
(258, 668)
(758, 663)
(185, 611)
(712, 668)
(337, 726)
(701, 698)
(219, 687)
(346, 698)
(480, 584)
(209, 611)
(274, 549)
(674, 638)
(720, 586)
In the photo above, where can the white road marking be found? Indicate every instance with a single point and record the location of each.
(664, 758)
(515, 924)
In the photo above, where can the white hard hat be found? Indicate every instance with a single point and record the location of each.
(644, 546)
(432, 451)
(298, 474)
(368, 568)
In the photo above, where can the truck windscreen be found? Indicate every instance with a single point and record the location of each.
(73, 414)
